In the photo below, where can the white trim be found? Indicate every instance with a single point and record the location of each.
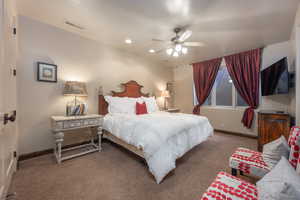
(10, 166)
(225, 107)
(1, 192)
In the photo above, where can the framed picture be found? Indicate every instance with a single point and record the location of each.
(46, 72)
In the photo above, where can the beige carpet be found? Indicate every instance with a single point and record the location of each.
(115, 174)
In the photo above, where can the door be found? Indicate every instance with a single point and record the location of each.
(8, 129)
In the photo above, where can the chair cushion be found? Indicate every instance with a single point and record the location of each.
(249, 161)
(273, 151)
(227, 187)
(282, 182)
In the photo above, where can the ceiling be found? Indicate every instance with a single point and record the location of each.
(224, 26)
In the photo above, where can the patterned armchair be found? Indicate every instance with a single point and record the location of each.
(252, 163)
(226, 186)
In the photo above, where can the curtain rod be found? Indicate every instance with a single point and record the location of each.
(227, 55)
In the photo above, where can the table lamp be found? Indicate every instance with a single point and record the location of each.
(76, 89)
(165, 94)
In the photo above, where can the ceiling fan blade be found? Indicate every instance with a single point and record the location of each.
(162, 49)
(193, 44)
(185, 35)
(158, 40)
(159, 50)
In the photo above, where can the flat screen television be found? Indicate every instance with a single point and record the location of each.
(275, 79)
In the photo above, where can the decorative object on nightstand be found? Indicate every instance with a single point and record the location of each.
(76, 89)
(172, 110)
(165, 94)
(60, 124)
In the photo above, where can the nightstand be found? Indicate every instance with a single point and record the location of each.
(172, 110)
(60, 124)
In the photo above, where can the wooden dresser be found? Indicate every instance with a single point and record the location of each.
(271, 125)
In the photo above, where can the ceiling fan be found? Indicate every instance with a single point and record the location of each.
(177, 44)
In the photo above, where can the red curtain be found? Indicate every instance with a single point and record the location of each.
(204, 77)
(244, 70)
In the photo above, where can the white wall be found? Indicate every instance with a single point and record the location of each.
(77, 59)
(226, 118)
(295, 42)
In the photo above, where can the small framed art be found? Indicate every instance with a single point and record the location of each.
(46, 72)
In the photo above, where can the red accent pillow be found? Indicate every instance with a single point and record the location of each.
(141, 108)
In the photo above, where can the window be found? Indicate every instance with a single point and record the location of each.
(223, 92)
(223, 88)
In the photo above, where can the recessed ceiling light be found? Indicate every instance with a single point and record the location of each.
(128, 41)
(151, 51)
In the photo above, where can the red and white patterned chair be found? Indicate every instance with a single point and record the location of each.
(248, 161)
(294, 142)
(228, 187)
(252, 163)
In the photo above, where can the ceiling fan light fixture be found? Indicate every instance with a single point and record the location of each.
(178, 47)
(151, 51)
(175, 54)
(184, 50)
(169, 51)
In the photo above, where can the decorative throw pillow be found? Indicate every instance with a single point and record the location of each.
(273, 151)
(282, 182)
(141, 108)
(121, 105)
(151, 104)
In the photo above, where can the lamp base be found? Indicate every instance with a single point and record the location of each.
(76, 108)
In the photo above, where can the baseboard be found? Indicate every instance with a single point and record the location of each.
(46, 151)
(238, 134)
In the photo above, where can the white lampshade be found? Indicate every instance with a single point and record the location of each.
(175, 54)
(178, 47)
(169, 51)
(184, 50)
(75, 88)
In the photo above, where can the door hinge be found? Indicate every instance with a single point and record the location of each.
(15, 154)
(14, 72)
(15, 31)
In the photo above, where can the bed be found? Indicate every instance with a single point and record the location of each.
(158, 137)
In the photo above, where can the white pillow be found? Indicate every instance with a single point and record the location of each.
(282, 182)
(150, 103)
(121, 105)
(273, 151)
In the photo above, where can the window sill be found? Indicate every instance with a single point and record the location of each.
(237, 108)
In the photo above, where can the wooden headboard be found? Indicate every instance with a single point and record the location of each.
(131, 89)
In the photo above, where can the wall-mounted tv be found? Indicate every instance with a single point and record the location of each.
(275, 79)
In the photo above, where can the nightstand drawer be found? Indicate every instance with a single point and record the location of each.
(72, 124)
(92, 122)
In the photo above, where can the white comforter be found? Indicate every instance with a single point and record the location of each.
(163, 136)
